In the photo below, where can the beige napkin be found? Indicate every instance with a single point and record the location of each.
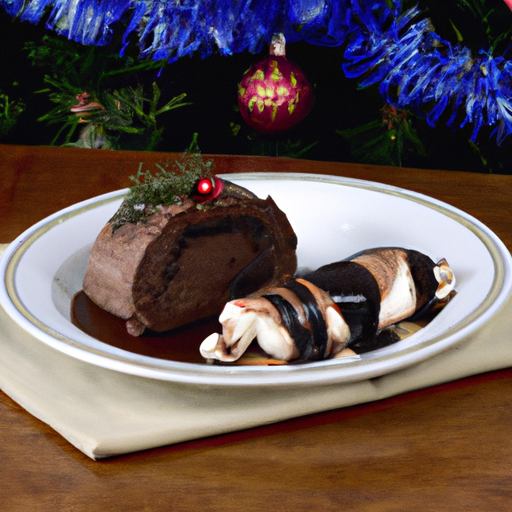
(104, 413)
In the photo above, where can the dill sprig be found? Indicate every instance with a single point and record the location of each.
(171, 183)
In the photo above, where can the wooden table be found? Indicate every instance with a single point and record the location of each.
(445, 448)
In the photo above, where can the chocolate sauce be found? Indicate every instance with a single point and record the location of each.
(180, 344)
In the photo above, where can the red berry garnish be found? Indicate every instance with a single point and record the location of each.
(205, 186)
(207, 189)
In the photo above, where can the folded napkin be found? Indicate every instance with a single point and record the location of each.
(104, 413)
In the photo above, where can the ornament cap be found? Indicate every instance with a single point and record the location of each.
(278, 45)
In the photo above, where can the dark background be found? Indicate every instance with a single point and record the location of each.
(211, 86)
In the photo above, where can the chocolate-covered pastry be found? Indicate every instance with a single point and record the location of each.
(340, 305)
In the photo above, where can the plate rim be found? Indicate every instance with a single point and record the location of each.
(322, 372)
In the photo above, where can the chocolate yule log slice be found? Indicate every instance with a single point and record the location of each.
(187, 259)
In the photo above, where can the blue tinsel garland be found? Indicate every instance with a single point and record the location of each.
(416, 69)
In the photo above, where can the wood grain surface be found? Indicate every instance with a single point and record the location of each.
(445, 448)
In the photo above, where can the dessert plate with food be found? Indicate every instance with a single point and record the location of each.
(256, 279)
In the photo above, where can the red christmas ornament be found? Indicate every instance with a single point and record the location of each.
(274, 94)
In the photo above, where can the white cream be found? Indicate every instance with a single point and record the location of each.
(400, 302)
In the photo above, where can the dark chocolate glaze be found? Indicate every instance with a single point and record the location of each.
(422, 270)
(255, 275)
(301, 335)
(318, 345)
(356, 292)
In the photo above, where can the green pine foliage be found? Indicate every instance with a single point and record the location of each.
(167, 186)
(386, 141)
(9, 113)
(122, 108)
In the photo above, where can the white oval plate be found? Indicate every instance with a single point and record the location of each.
(333, 217)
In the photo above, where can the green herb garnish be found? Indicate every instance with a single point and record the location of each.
(168, 186)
